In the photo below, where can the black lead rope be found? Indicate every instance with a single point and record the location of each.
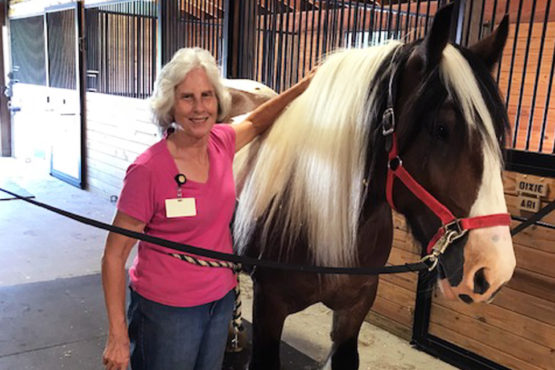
(534, 218)
(243, 260)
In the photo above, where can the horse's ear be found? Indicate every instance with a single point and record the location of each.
(490, 48)
(428, 53)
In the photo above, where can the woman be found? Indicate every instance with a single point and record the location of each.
(179, 313)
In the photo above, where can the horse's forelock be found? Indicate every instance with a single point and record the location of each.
(463, 85)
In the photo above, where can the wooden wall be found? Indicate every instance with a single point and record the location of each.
(518, 329)
(118, 130)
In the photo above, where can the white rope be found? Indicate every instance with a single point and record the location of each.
(237, 321)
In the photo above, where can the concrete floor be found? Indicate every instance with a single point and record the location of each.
(51, 306)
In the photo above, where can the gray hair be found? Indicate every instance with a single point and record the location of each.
(173, 73)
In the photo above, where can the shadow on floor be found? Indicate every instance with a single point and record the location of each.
(60, 324)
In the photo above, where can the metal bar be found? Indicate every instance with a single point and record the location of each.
(371, 27)
(390, 21)
(312, 38)
(305, 48)
(538, 70)
(365, 11)
(257, 19)
(493, 16)
(547, 100)
(417, 18)
(398, 21)
(355, 25)
(318, 33)
(265, 45)
(521, 90)
(513, 55)
(287, 70)
(501, 58)
(154, 37)
(279, 60)
(427, 17)
(273, 61)
(407, 21)
(326, 30)
(333, 34)
(481, 20)
(469, 22)
(294, 75)
(380, 29)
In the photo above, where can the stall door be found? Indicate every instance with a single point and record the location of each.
(63, 96)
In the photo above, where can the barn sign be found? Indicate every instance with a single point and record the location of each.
(530, 191)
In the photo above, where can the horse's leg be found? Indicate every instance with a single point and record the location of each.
(268, 317)
(345, 330)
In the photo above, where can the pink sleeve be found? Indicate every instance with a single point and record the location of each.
(225, 137)
(137, 196)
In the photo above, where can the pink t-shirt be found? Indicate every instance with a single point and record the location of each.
(149, 181)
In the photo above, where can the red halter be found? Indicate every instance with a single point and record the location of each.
(452, 228)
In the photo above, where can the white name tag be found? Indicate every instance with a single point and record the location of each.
(181, 207)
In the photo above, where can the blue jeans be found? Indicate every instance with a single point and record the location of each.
(178, 338)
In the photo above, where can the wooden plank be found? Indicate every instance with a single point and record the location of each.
(534, 284)
(400, 296)
(116, 142)
(501, 357)
(504, 318)
(394, 311)
(536, 237)
(535, 260)
(526, 304)
(406, 242)
(100, 173)
(407, 280)
(122, 158)
(131, 124)
(392, 326)
(113, 164)
(502, 340)
(399, 256)
(100, 187)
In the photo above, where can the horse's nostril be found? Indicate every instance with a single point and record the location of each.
(466, 298)
(481, 284)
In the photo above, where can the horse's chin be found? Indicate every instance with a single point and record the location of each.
(446, 289)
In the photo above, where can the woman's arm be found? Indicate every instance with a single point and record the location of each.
(116, 252)
(264, 116)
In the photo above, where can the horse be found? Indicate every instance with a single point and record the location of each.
(417, 127)
(245, 95)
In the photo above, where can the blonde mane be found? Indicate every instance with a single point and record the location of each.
(311, 165)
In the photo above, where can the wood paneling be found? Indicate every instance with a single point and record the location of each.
(118, 130)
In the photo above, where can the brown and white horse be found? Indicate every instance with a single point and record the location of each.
(320, 186)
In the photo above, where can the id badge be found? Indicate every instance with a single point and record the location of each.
(181, 207)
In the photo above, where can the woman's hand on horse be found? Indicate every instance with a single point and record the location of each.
(308, 76)
(116, 353)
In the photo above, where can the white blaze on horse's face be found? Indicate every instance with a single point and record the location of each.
(489, 259)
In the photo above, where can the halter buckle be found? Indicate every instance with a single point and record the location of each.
(449, 236)
(431, 260)
(388, 122)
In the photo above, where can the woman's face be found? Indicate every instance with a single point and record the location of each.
(195, 107)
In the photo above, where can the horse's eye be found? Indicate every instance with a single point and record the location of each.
(441, 131)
